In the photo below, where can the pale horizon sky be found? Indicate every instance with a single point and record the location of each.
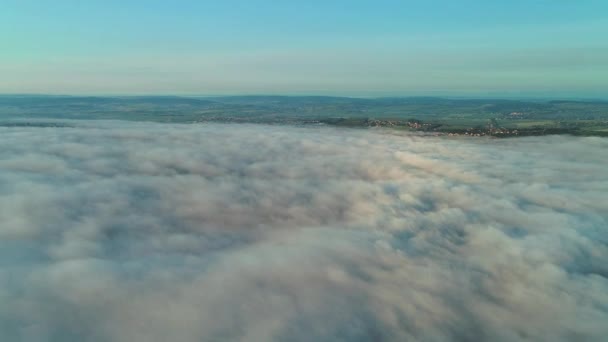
(358, 48)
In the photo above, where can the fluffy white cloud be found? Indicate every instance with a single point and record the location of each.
(116, 231)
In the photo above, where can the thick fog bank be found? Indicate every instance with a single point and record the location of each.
(154, 232)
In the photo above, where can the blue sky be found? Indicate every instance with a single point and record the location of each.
(364, 48)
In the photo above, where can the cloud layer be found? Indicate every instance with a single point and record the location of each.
(154, 232)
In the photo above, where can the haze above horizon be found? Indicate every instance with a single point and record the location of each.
(356, 48)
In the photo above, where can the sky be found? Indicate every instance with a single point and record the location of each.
(553, 48)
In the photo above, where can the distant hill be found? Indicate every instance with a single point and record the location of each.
(281, 108)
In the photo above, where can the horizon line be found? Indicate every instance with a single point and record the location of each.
(438, 96)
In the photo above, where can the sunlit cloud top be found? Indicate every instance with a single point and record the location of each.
(125, 231)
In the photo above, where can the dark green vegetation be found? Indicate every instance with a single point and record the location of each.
(449, 116)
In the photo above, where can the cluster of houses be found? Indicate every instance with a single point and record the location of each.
(471, 132)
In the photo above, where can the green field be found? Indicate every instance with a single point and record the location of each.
(482, 116)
